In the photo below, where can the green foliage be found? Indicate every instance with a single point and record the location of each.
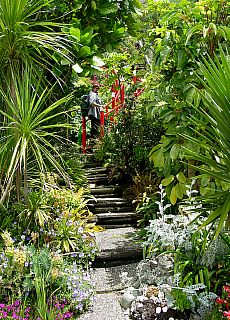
(179, 35)
(95, 26)
(181, 301)
(128, 143)
(58, 218)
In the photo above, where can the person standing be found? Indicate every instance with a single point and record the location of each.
(94, 110)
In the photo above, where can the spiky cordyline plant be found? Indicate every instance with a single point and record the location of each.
(216, 137)
(28, 132)
(25, 39)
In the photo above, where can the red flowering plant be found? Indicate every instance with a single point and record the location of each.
(224, 302)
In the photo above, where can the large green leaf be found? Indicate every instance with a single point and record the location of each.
(107, 8)
(173, 195)
(174, 152)
(165, 182)
(84, 51)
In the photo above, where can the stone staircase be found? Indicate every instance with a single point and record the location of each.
(118, 251)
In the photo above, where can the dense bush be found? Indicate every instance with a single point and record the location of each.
(128, 140)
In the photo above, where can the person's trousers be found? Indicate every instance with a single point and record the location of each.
(95, 123)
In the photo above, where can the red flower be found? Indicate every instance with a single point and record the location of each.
(227, 289)
(219, 300)
(226, 313)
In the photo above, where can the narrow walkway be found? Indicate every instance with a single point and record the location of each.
(117, 251)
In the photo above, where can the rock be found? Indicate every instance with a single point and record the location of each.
(165, 261)
(135, 292)
(127, 300)
(194, 316)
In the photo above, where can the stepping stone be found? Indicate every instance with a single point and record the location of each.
(105, 307)
(117, 244)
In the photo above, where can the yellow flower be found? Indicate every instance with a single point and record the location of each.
(54, 273)
(19, 257)
(34, 236)
(8, 241)
(56, 258)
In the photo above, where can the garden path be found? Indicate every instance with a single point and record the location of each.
(118, 253)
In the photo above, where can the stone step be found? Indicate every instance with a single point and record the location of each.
(110, 201)
(95, 170)
(118, 245)
(117, 215)
(117, 219)
(102, 190)
(123, 208)
(106, 195)
(90, 165)
(96, 175)
(116, 226)
(100, 179)
(86, 156)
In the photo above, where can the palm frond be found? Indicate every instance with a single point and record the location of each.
(216, 135)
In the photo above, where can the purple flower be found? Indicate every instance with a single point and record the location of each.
(80, 229)
(16, 303)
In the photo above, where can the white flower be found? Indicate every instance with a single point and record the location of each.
(158, 310)
(165, 309)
